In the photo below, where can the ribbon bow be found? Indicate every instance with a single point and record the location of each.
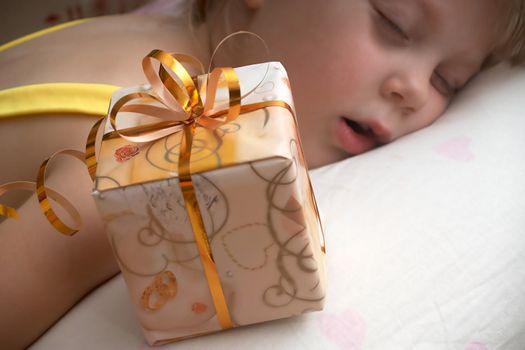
(177, 93)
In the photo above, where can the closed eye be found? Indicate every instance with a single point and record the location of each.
(442, 85)
(391, 25)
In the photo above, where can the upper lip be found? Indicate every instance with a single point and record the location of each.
(380, 131)
(377, 129)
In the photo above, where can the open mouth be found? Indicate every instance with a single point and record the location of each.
(358, 128)
(356, 137)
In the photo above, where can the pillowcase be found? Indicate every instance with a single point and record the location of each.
(426, 236)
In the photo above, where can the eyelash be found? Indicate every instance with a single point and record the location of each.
(392, 25)
(444, 86)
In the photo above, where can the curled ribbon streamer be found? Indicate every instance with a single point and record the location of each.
(31, 186)
(91, 148)
(44, 192)
(45, 205)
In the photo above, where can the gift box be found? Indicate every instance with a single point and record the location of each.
(259, 252)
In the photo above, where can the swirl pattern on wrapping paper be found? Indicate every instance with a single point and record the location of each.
(164, 209)
(100, 179)
(154, 232)
(286, 288)
(231, 255)
(200, 150)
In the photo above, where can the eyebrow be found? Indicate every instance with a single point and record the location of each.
(431, 16)
(429, 9)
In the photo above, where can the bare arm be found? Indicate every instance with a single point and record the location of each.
(44, 273)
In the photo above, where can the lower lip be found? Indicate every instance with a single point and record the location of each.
(352, 142)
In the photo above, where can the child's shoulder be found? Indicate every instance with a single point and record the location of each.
(102, 50)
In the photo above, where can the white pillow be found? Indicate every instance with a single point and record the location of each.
(426, 236)
(425, 244)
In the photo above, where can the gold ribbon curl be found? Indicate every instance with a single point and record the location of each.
(44, 193)
(181, 110)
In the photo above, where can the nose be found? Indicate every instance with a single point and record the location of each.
(408, 91)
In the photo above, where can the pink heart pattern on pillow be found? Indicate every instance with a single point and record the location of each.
(456, 148)
(346, 329)
(476, 346)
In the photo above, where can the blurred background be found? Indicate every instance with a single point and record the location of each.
(18, 18)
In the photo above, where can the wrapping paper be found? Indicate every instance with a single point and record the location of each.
(257, 207)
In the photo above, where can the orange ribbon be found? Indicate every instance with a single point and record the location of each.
(44, 192)
(179, 95)
(181, 110)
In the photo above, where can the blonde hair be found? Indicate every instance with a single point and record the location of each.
(512, 47)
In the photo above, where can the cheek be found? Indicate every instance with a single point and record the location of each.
(434, 109)
(438, 104)
(342, 59)
(356, 71)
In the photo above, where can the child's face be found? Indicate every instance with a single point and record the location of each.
(366, 72)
